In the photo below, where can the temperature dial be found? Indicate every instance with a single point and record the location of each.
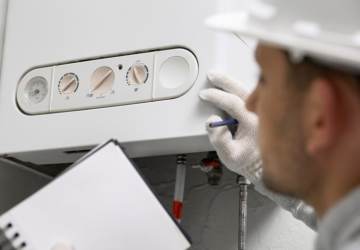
(102, 80)
(68, 83)
(137, 74)
(36, 90)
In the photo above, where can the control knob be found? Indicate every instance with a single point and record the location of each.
(137, 75)
(68, 84)
(102, 80)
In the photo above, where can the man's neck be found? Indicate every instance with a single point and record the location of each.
(331, 190)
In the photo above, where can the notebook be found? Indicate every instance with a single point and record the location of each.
(100, 202)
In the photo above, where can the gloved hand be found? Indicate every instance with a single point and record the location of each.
(239, 153)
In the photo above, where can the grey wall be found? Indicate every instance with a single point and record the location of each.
(16, 184)
(210, 214)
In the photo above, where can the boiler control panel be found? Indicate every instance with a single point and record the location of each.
(113, 81)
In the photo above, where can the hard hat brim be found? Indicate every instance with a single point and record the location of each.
(241, 24)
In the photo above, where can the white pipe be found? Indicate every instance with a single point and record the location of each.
(179, 187)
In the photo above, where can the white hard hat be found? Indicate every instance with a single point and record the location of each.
(326, 30)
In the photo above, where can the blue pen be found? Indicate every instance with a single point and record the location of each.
(223, 123)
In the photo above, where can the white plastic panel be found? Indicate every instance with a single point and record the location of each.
(100, 31)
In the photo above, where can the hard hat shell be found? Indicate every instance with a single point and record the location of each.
(326, 30)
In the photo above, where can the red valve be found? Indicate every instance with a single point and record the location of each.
(209, 163)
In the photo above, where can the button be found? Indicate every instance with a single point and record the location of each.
(174, 72)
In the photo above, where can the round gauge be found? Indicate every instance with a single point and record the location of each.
(36, 90)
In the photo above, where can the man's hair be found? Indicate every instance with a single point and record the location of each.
(301, 74)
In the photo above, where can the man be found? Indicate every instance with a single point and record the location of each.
(308, 105)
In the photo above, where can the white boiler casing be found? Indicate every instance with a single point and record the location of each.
(153, 56)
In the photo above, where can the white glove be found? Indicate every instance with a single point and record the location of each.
(241, 153)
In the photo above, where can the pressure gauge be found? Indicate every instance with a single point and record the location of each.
(36, 90)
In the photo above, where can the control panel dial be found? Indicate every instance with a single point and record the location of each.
(68, 83)
(102, 80)
(137, 74)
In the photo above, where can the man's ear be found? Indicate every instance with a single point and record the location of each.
(320, 115)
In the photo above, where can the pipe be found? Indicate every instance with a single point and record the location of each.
(179, 186)
(243, 183)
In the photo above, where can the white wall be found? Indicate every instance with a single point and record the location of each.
(210, 214)
(3, 10)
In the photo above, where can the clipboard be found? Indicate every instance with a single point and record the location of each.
(100, 202)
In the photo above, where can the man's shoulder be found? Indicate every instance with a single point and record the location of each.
(353, 244)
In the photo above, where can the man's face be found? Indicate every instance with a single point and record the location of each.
(279, 108)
